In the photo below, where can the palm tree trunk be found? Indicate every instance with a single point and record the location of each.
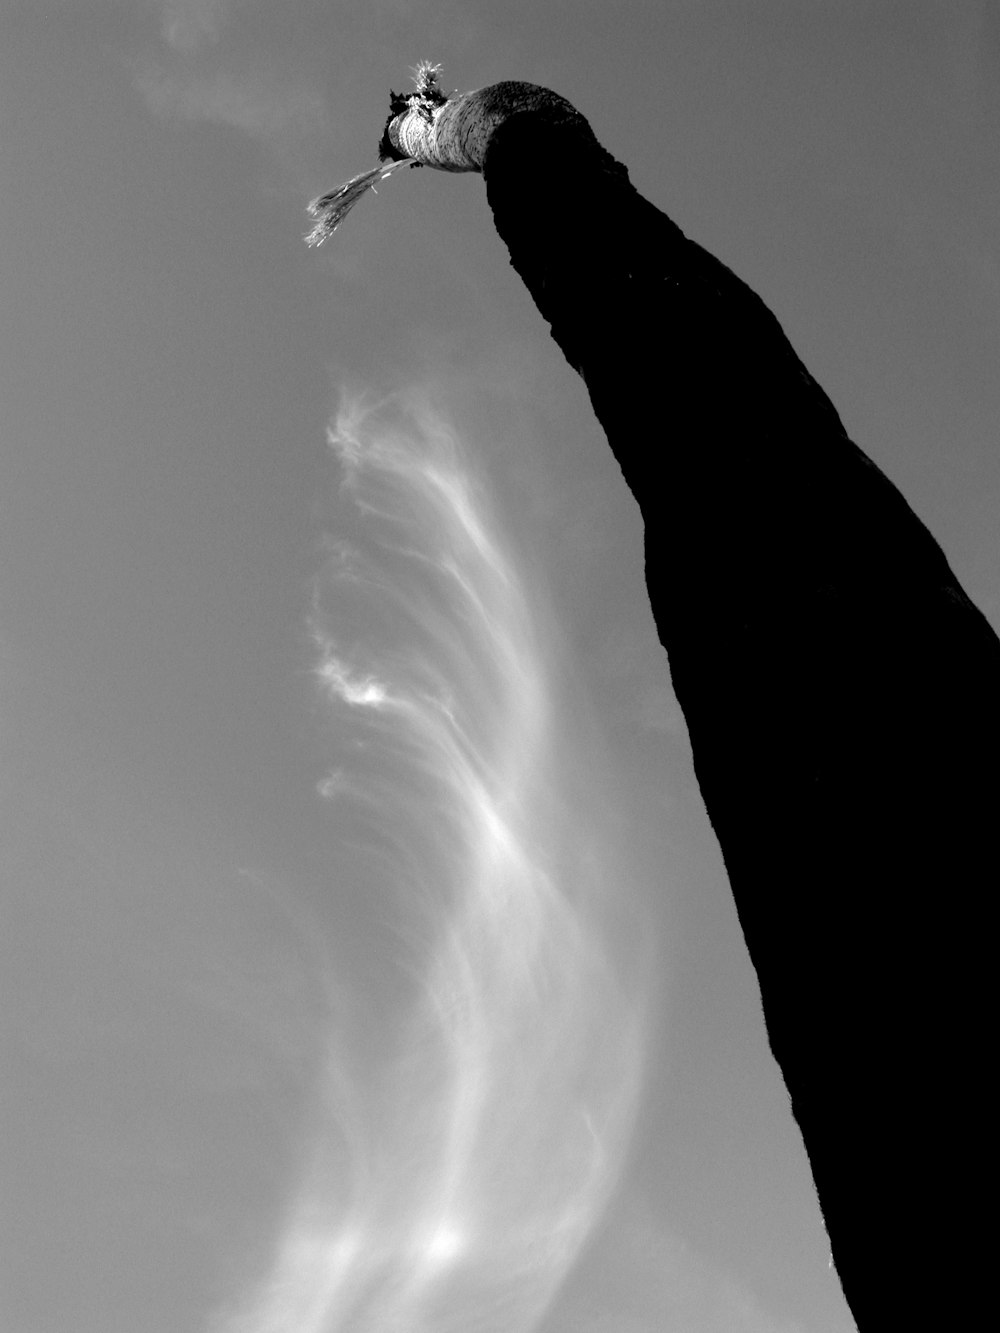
(841, 691)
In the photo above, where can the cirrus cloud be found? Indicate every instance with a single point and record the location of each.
(190, 24)
(250, 101)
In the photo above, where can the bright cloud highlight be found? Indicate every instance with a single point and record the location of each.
(455, 1176)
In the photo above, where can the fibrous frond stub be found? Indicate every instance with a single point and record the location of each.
(329, 210)
(425, 80)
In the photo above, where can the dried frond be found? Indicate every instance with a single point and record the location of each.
(331, 209)
(425, 76)
(428, 96)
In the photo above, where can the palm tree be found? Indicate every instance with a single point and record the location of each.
(841, 691)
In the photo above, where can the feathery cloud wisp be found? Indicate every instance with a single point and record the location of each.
(251, 102)
(191, 24)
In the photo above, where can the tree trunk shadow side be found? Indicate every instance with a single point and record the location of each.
(841, 693)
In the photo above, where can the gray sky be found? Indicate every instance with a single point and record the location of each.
(367, 959)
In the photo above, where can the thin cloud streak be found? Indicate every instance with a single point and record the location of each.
(252, 102)
(189, 25)
(652, 1281)
(496, 1120)
(194, 86)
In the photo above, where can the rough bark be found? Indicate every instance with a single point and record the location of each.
(840, 689)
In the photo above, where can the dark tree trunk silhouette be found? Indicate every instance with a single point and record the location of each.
(841, 692)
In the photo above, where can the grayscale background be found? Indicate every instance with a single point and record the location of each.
(367, 962)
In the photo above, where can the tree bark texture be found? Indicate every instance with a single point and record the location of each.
(841, 692)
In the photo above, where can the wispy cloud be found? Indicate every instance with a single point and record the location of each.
(262, 106)
(643, 1278)
(189, 25)
(198, 80)
(489, 1146)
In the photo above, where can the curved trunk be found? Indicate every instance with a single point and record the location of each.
(841, 692)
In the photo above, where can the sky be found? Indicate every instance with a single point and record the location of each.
(368, 961)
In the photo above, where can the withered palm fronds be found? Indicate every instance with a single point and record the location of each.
(427, 128)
